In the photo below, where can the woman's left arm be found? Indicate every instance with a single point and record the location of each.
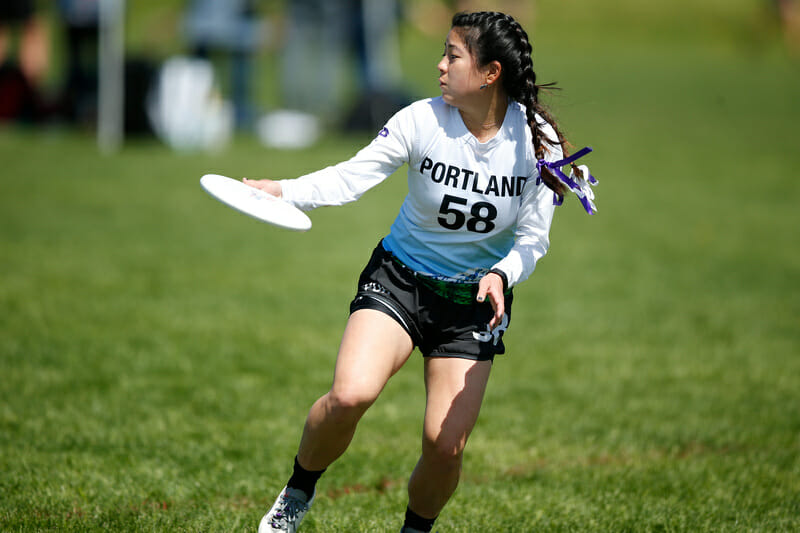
(534, 218)
(532, 237)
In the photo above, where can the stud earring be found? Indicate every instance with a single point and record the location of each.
(485, 85)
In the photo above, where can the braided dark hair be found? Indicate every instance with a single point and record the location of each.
(492, 36)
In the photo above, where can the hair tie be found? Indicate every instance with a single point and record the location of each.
(581, 186)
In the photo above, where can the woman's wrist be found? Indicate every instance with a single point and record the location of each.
(502, 276)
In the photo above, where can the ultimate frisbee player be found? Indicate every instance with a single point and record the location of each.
(484, 177)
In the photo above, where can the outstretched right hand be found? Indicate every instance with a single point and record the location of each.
(268, 186)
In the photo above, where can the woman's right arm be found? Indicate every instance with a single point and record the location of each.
(347, 181)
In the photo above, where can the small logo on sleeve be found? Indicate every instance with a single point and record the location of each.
(384, 132)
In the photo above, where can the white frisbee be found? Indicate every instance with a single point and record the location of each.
(255, 202)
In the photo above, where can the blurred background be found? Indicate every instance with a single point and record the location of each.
(158, 351)
(194, 72)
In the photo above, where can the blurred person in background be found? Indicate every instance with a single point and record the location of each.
(788, 13)
(322, 38)
(81, 20)
(313, 55)
(20, 82)
(232, 29)
(78, 100)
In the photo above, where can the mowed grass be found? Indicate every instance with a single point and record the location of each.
(159, 352)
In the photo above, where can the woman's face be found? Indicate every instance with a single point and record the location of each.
(459, 76)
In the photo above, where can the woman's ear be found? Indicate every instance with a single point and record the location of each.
(493, 71)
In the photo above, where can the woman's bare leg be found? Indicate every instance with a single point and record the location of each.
(374, 347)
(455, 389)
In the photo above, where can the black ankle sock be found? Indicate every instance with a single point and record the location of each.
(303, 479)
(415, 521)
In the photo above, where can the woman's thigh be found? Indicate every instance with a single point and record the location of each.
(455, 389)
(374, 347)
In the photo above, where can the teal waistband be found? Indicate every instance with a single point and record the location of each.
(462, 293)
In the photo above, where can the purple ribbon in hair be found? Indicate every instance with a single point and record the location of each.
(581, 186)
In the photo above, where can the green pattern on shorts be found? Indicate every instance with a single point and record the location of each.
(459, 293)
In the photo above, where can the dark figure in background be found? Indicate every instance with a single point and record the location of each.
(232, 28)
(79, 93)
(20, 81)
(81, 20)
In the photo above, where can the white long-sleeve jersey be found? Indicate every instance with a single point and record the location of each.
(470, 207)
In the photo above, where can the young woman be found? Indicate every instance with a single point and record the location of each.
(483, 180)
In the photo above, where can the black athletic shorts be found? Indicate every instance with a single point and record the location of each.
(440, 326)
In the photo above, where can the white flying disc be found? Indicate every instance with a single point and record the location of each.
(255, 202)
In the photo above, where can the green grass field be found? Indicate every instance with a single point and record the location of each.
(159, 352)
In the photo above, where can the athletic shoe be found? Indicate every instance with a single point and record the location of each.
(287, 512)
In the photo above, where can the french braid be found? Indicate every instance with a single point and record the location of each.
(492, 36)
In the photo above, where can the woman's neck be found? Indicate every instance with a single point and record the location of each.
(485, 118)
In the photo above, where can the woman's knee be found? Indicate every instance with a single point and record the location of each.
(344, 404)
(444, 449)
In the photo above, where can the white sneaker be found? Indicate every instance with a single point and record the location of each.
(287, 512)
